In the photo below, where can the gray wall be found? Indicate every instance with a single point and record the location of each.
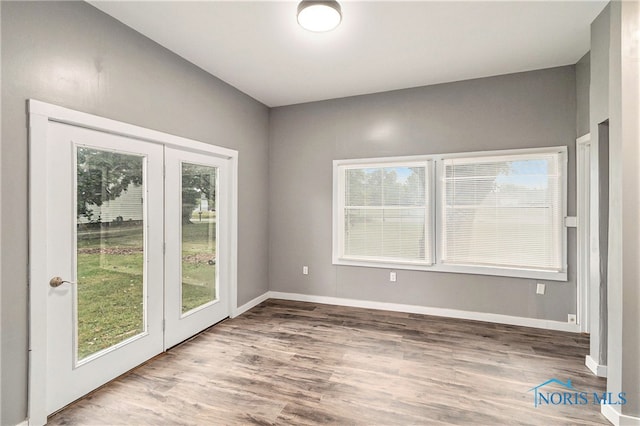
(532, 109)
(73, 55)
(623, 351)
(583, 81)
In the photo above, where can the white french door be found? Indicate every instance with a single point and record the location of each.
(195, 224)
(132, 250)
(105, 236)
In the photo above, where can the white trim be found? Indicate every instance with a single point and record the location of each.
(249, 305)
(595, 303)
(25, 422)
(426, 310)
(565, 207)
(40, 114)
(459, 269)
(617, 418)
(597, 369)
(584, 138)
(233, 233)
(433, 157)
(94, 122)
(37, 270)
(583, 192)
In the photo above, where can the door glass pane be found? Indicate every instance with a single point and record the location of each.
(110, 249)
(199, 230)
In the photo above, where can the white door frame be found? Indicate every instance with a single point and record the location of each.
(40, 114)
(584, 152)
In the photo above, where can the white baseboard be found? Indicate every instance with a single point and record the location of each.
(617, 418)
(250, 304)
(597, 369)
(425, 310)
(23, 423)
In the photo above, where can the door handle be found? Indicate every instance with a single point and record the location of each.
(57, 282)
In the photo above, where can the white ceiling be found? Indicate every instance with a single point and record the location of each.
(258, 47)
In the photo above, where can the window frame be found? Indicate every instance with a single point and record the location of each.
(435, 214)
(340, 166)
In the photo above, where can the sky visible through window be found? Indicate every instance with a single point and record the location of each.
(531, 174)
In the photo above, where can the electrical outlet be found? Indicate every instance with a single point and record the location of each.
(540, 288)
(571, 318)
(392, 277)
(305, 270)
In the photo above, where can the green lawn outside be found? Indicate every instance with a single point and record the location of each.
(198, 264)
(110, 282)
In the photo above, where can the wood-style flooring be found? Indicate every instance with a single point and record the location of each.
(291, 363)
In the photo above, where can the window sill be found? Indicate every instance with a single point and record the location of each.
(457, 269)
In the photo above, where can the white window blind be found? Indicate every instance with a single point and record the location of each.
(386, 214)
(503, 211)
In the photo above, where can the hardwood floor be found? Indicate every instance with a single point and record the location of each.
(300, 363)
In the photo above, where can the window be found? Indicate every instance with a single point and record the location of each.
(495, 213)
(385, 213)
(503, 211)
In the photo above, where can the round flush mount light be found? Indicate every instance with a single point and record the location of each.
(319, 16)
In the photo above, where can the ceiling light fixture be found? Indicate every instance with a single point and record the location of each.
(319, 16)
